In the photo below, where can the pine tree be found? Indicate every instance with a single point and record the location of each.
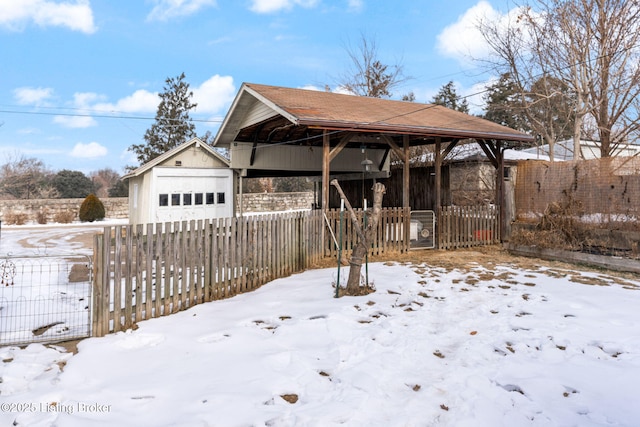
(448, 97)
(173, 126)
(503, 106)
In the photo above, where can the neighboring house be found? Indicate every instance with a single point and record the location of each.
(563, 150)
(191, 181)
(472, 177)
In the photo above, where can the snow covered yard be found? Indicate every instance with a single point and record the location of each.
(480, 345)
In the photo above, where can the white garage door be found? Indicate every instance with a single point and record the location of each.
(186, 194)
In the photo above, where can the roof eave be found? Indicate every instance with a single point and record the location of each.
(415, 130)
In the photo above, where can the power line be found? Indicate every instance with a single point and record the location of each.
(100, 116)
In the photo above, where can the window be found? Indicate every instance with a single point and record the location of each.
(135, 196)
(210, 199)
(199, 199)
(506, 173)
(186, 199)
(175, 199)
(164, 200)
(220, 198)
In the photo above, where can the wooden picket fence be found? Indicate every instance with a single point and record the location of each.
(467, 226)
(152, 270)
(389, 237)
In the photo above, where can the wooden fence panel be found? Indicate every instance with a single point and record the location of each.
(153, 270)
(467, 226)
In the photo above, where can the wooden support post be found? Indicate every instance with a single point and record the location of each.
(500, 199)
(326, 161)
(406, 179)
(405, 171)
(325, 171)
(437, 166)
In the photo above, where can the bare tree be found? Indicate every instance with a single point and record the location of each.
(25, 178)
(368, 75)
(365, 234)
(520, 49)
(592, 47)
(104, 180)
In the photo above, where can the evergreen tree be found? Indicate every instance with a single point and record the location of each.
(72, 184)
(448, 97)
(119, 189)
(550, 101)
(173, 126)
(503, 106)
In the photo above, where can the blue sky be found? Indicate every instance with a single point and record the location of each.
(80, 78)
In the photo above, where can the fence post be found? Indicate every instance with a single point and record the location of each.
(100, 294)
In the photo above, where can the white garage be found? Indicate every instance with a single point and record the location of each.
(192, 181)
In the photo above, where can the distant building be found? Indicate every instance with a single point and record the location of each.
(563, 150)
(191, 181)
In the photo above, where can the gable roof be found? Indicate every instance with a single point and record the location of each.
(273, 114)
(176, 150)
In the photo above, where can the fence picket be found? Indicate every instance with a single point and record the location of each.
(155, 270)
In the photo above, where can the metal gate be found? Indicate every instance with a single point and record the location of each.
(422, 230)
(45, 298)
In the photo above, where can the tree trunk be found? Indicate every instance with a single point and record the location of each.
(365, 236)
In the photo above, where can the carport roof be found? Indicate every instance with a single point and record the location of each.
(272, 114)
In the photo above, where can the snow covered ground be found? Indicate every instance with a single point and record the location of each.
(44, 281)
(492, 345)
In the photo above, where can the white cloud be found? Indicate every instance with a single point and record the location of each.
(88, 151)
(75, 121)
(32, 96)
(75, 15)
(80, 119)
(214, 94)
(269, 6)
(167, 9)
(356, 5)
(462, 40)
(141, 101)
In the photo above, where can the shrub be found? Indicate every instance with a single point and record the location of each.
(64, 217)
(91, 209)
(42, 217)
(15, 218)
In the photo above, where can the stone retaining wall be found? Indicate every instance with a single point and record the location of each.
(118, 207)
(272, 202)
(115, 207)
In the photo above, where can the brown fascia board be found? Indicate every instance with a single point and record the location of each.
(414, 130)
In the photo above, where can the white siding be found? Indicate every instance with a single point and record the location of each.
(295, 158)
(191, 193)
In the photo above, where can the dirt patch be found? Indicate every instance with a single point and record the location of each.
(468, 259)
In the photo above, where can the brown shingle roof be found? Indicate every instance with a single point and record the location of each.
(338, 111)
(299, 116)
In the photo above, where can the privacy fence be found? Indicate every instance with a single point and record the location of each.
(588, 206)
(597, 190)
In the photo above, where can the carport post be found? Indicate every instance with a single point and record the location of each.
(325, 182)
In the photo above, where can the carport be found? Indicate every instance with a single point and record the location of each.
(278, 131)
